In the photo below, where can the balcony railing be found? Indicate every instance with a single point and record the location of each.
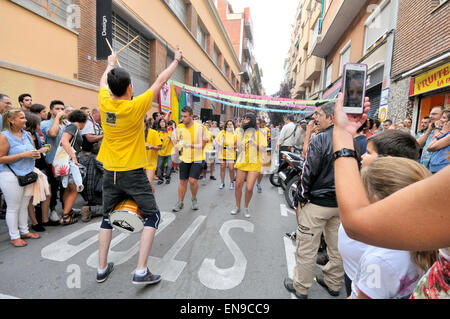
(248, 48)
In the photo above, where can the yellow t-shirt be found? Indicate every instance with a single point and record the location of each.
(249, 158)
(266, 132)
(167, 145)
(152, 155)
(209, 145)
(227, 145)
(192, 135)
(123, 145)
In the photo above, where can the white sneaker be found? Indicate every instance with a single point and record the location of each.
(222, 186)
(54, 217)
(235, 211)
(246, 213)
(232, 185)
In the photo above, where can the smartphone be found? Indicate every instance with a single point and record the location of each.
(354, 87)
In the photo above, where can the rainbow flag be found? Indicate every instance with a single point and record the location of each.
(176, 111)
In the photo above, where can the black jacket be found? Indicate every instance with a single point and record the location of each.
(317, 180)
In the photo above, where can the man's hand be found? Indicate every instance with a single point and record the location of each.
(112, 59)
(178, 55)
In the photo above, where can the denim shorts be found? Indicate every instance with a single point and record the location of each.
(129, 185)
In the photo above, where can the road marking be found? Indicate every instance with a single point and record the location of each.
(284, 210)
(280, 191)
(291, 258)
(120, 257)
(219, 278)
(2, 296)
(169, 268)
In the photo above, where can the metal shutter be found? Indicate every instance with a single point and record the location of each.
(136, 58)
(374, 95)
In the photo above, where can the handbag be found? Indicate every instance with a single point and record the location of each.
(28, 179)
(60, 165)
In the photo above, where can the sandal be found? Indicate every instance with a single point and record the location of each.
(30, 236)
(18, 242)
(69, 219)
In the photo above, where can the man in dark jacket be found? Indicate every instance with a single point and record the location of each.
(317, 212)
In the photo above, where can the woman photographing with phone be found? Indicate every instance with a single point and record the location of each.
(17, 159)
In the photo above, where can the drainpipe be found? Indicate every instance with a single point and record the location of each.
(321, 17)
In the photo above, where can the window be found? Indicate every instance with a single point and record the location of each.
(378, 23)
(315, 33)
(58, 11)
(136, 58)
(345, 57)
(180, 9)
(201, 37)
(328, 72)
(216, 56)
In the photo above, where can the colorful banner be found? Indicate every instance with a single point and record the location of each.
(435, 79)
(252, 108)
(231, 96)
(176, 112)
(164, 99)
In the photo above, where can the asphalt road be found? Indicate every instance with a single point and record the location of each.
(200, 254)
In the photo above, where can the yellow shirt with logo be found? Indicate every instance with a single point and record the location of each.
(209, 145)
(249, 158)
(167, 146)
(192, 135)
(153, 139)
(123, 145)
(227, 145)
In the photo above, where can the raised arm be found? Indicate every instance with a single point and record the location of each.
(112, 60)
(167, 73)
(414, 218)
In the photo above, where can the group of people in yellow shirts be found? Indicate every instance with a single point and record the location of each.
(241, 150)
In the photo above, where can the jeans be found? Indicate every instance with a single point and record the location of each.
(17, 205)
(160, 166)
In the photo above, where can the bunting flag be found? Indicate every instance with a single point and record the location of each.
(176, 111)
(165, 104)
(181, 104)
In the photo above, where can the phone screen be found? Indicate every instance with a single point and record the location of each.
(354, 88)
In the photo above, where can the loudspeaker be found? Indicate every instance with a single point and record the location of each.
(206, 115)
(216, 118)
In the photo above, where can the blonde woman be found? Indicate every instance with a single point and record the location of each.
(153, 146)
(17, 157)
(226, 141)
(398, 271)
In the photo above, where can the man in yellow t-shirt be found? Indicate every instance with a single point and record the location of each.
(123, 155)
(248, 163)
(191, 140)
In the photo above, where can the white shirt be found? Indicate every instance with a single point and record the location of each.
(92, 128)
(287, 136)
(386, 274)
(351, 252)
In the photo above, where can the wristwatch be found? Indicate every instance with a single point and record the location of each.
(111, 64)
(344, 152)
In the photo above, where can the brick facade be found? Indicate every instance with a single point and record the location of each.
(422, 33)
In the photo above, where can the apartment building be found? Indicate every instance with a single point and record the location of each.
(421, 61)
(305, 69)
(48, 48)
(357, 31)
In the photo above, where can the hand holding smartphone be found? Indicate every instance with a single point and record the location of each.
(354, 87)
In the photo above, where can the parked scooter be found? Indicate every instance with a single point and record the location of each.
(284, 168)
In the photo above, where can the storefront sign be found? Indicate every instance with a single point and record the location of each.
(104, 28)
(432, 80)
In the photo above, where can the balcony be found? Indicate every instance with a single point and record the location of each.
(248, 48)
(301, 77)
(313, 68)
(248, 27)
(335, 26)
(247, 69)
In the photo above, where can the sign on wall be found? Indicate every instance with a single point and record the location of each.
(437, 78)
(104, 28)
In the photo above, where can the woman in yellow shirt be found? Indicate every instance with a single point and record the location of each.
(153, 145)
(165, 154)
(248, 165)
(227, 142)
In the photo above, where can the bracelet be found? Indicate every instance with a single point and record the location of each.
(345, 152)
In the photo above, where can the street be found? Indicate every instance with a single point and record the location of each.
(200, 254)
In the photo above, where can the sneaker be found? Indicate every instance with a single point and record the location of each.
(194, 204)
(168, 181)
(259, 188)
(38, 228)
(201, 177)
(235, 211)
(146, 279)
(213, 178)
(54, 216)
(247, 213)
(109, 270)
(222, 185)
(86, 214)
(179, 206)
(321, 282)
(289, 285)
(160, 182)
(232, 185)
(51, 223)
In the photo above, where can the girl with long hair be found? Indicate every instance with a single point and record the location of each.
(227, 142)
